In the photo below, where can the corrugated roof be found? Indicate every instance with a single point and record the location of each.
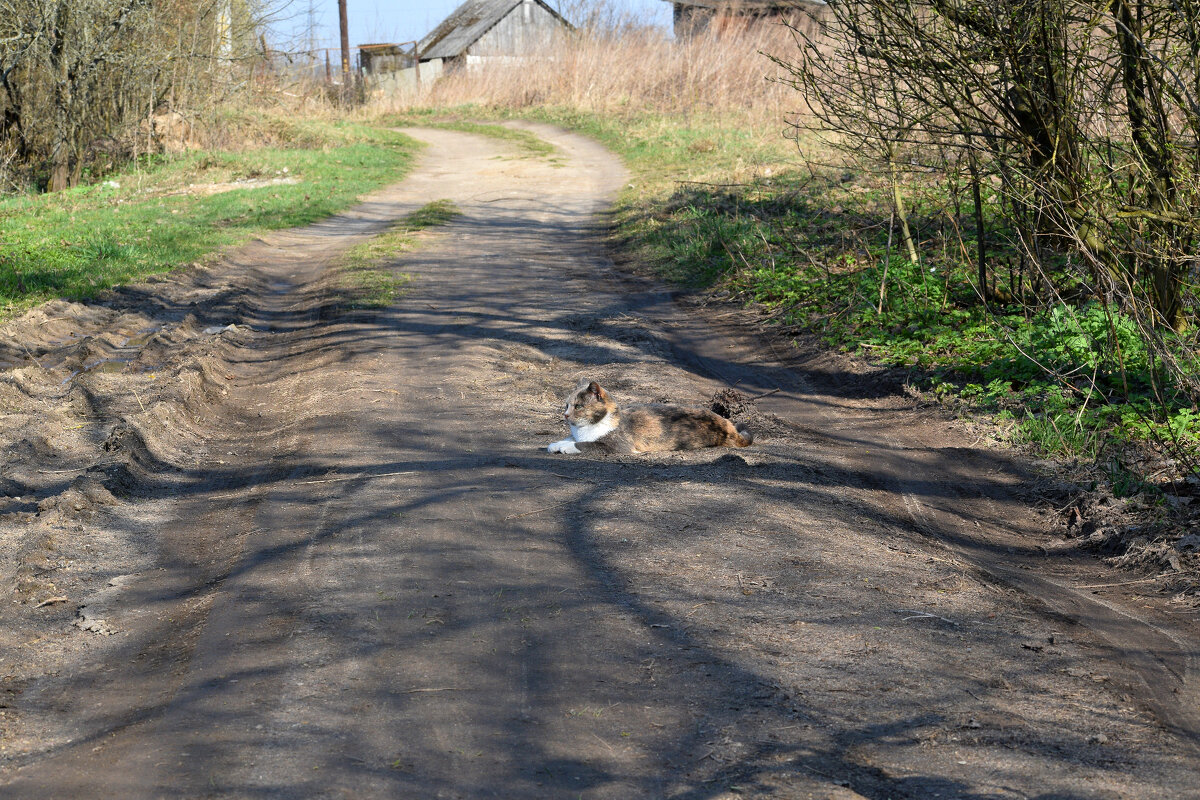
(466, 25)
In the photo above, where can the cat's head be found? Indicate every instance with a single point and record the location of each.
(588, 404)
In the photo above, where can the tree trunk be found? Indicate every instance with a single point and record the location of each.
(60, 152)
(60, 171)
(898, 204)
(1168, 296)
(1149, 129)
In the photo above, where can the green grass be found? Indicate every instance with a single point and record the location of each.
(721, 207)
(529, 145)
(76, 243)
(367, 277)
(430, 215)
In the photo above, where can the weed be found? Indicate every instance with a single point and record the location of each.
(368, 278)
(430, 215)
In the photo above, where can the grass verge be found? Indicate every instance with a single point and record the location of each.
(367, 278)
(164, 213)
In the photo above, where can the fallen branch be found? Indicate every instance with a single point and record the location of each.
(359, 475)
(1128, 583)
(536, 511)
(922, 615)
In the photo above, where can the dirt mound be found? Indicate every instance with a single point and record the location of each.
(1151, 533)
(98, 402)
(730, 403)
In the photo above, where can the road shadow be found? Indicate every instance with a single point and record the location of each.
(655, 599)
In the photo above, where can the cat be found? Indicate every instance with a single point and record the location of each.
(597, 423)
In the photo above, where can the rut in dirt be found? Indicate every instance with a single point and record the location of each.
(360, 573)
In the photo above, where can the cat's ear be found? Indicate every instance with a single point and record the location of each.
(594, 388)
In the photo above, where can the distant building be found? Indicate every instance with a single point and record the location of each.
(379, 59)
(491, 30)
(392, 67)
(693, 17)
(478, 32)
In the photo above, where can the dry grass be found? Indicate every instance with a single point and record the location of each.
(627, 70)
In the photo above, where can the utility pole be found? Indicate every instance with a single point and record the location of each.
(312, 37)
(345, 49)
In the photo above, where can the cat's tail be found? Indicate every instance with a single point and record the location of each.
(743, 437)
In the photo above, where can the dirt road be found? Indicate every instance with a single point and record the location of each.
(324, 553)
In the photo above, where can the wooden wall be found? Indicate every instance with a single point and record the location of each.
(527, 29)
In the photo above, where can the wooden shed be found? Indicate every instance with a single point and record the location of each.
(693, 17)
(379, 59)
(491, 30)
(391, 67)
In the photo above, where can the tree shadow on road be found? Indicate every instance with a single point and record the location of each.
(440, 608)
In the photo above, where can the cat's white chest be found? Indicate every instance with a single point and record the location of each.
(584, 433)
(590, 433)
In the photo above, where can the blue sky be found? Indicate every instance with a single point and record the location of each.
(398, 20)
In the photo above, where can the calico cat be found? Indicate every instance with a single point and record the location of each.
(597, 423)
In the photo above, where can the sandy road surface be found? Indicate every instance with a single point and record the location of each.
(328, 555)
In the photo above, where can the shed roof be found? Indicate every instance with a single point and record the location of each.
(467, 25)
(382, 47)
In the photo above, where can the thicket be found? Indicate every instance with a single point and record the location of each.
(84, 83)
(1070, 130)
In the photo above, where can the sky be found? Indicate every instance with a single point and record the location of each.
(377, 21)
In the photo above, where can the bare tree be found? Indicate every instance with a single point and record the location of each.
(1085, 111)
(75, 72)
